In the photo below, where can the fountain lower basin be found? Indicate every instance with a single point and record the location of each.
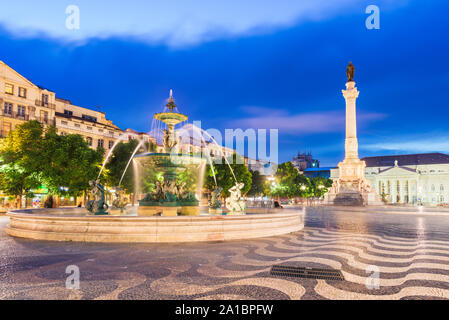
(42, 224)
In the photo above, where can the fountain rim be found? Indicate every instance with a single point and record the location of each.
(168, 154)
(173, 117)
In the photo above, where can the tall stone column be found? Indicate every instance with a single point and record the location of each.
(352, 188)
(351, 145)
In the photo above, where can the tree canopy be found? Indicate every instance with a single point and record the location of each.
(259, 185)
(224, 176)
(32, 155)
(117, 163)
(290, 183)
(69, 163)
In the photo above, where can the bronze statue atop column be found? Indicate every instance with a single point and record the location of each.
(350, 71)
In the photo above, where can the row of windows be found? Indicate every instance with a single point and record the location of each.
(9, 89)
(77, 125)
(100, 142)
(9, 109)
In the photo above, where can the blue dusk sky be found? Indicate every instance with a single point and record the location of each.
(247, 64)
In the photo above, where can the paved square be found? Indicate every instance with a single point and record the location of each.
(411, 252)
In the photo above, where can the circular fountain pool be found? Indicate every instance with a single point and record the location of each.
(75, 225)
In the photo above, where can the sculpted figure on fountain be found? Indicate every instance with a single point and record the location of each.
(97, 206)
(235, 203)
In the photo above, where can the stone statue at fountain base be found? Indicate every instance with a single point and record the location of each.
(98, 206)
(169, 199)
(235, 203)
(119, 204)
(214, 202)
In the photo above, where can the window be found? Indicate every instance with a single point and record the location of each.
(6, 128)
(45, 99)
(21, 111)
(44, 116)
(63, 133)
(9, 88)
(89, 118)
(89, 128)
(111, 133)
(68, 113)
(100, 130)
(64, 123)
(8, 108)
(22, 92)
(100, 143)
(432, 188)
(89, 141)
(441, 187)
(111, 144)
(77, 125)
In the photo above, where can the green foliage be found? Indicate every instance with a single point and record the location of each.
(14, 180)
(320, 186)
(224, 176)
(290, 183)
(20, 159)
(117, 164)
(31, 156)
(285, 185)
(69, 162)
(259, 185)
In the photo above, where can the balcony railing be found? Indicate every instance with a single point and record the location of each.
(15, 115)
(40, 103)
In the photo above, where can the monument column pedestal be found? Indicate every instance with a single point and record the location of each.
(352, 188)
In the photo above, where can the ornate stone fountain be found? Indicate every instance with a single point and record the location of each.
(171, 196)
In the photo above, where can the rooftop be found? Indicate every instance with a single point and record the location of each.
(407, 159)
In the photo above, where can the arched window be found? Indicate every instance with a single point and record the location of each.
(89, 141)
(441, 187)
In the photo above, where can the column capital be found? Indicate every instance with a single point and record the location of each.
(351, 91)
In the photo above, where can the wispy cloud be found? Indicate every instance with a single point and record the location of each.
(171, 22)
(314, 122)
(437, 142)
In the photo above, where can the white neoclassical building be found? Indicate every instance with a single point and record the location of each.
(409, 179)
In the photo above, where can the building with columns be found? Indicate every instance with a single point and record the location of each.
(411, 178)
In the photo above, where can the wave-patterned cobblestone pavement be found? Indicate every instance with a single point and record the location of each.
(411, 253)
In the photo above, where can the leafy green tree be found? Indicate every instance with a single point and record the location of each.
(303, 186)
(320, 186)
(224, 176)
(259, 184)
(117, 164)
(285, 185)
(69, 163)
(17, 182)
(21, 160)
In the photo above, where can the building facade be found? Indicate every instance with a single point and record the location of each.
(21, 100)
(409, 179)
(92, 125)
